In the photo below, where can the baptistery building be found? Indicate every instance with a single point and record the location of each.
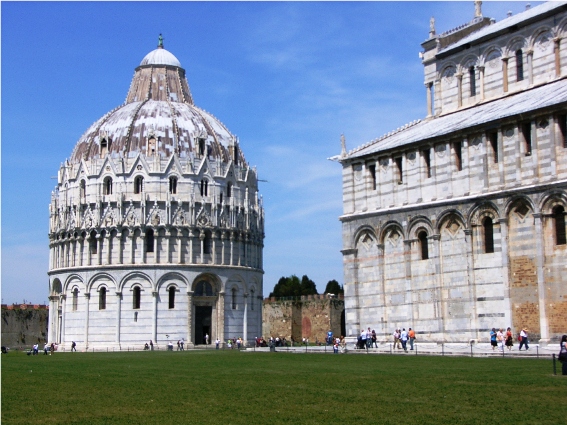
(156, 226)
(455, 223)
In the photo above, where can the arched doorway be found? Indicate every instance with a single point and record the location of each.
(205, 322)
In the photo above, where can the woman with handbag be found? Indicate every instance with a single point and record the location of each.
(563, 355)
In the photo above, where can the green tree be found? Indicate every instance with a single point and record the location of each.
(333, 287)
(308, 286)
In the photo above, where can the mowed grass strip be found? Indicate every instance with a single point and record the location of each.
(243, 388)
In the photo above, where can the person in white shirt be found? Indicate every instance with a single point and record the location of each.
(524, 341)
(404, 339)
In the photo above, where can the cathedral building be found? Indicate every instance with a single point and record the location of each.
(455, 223)
(156, 225)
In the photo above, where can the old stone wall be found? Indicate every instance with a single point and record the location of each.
(309, 317)
(23, 327)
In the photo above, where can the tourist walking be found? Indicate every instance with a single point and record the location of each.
(368, 338)
(563, 355)
(363, 337)
(524, 339)
(396, 336)
(509, 339)
(493, 339)
(411, 335)
(74, 346)
(206, 339)
(404, 339)
(374, 339)
(500, 339)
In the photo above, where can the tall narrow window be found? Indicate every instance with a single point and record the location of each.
(427, 160)
(93, 242)
(424, 249)
(472, 80)
(207, 243)
(138, 184)
(75, 299)
(149, 240)
(488, 228)
(251, 299)
(102, 299)
(229, 190)
(235, 154)
(559, 223)
(458, 150)
(173, 185)
(172, 297)
(519, 65)
(201, 147)
(204, 187)
(372, 171)
(400, 176)
(526, 129)
(203, 289)
(233, 298)
(493, 140)
(151, 146)
(103, 148)
(107, 186)
(83, 189)
(562, 127)
(136, 297)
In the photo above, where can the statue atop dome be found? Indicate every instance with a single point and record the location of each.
(160, 42)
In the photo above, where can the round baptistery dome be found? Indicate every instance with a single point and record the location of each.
(156, 199)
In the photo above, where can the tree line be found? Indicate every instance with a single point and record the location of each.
(291, 286)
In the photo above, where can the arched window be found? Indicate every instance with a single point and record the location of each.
(83, 189)
(233, 298)
(102, 299)
(424, 249)
(93, 242)
(107, 186)
(201, 147)
(519, 65)
(149, 240)
(203, 289)
(138, 184)
(251, 299)
(472, 80)
(559, 224)
(173, 185)
(137, 295)
(204, 187)
(75, 299)
(172, 297)
(151, 146)
(488, 228)
(207, 243)
(229, 190)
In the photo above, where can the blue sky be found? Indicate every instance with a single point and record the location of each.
(286, 77)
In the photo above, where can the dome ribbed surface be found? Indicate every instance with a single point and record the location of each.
(160, 56)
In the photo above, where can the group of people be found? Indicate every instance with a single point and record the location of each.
(500, 338)
(401, 336)
(367, 339)
(149, 346)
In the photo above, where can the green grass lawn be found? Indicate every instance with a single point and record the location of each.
(232, 387)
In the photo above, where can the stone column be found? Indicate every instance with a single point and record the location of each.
(190, 341)
(179, 246)
(156, 258)
(481, 75)
(99, 240)
(154, 315)
(231, 248)
(530, 55)
(89, 250)
(87, 302)
(108, 248)
(440, 303)
(143, 247)
(221, 316)
(428, 91)
(504, 261)
(132, 237)
(168, 248)
(190, 242)
(202, 243)
(505, 74)
(245, 320)
(118, 315)
(350, 263)
(223, 239)
(81, 251)
(472, 282)
(118, 240)
(407, 263)
(438, 98)
(459, 89)
(556, 51)
(540, 262)
(53, 316)
(60, 331)
(214, 247)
